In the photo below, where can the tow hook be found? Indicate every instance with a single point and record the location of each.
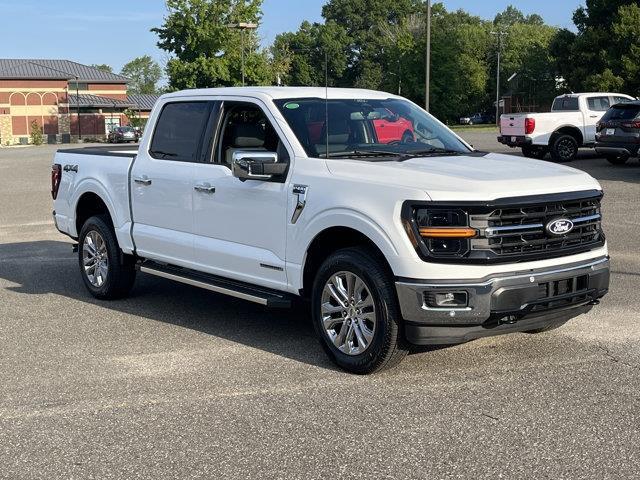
(594, 302)
(508, 320)
(75, 247)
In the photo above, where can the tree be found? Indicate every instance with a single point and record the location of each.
(37, 138)
(143, 73)
(103, 67)
(601, 55)
(205, 51)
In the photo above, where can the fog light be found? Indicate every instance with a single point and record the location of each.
(447, 299)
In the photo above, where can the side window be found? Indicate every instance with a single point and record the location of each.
(245, 127)
(621, 100)
(598, 104)
(179, 131)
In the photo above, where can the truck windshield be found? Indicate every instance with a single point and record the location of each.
(367, 129)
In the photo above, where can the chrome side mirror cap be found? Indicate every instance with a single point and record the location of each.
(256, 165)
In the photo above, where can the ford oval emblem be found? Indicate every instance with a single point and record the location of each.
(560, 226)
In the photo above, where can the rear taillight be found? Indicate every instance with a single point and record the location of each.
(56, 177)
(529, 125)
(635, 124)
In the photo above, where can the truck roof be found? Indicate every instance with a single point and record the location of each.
(286, 92)
(589, 94)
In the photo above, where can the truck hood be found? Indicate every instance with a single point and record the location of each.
(461, 178)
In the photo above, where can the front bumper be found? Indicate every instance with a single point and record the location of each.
(503, 303)
(515, 141)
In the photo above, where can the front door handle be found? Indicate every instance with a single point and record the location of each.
(143, 180)
(205, 188)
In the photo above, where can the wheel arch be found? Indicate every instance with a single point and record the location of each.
(330, 240)
(568, 130)
(88, 205)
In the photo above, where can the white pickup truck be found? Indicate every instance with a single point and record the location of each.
(272, 194)
(571, 124)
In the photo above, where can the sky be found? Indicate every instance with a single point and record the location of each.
(90, 31)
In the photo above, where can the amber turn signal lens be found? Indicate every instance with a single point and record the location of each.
(448, 232)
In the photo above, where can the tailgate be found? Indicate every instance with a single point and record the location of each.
(512, 125)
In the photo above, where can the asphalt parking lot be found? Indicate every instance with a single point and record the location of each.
(176, 382)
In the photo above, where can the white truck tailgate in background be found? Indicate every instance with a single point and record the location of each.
(512, 125)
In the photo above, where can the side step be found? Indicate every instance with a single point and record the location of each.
(245, 291)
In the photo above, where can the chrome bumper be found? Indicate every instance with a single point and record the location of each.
(507, 298)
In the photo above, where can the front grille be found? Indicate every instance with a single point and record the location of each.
(522, 230)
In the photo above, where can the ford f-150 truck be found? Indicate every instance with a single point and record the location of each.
(571, 124)
(418, 241)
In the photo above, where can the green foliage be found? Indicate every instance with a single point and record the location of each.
(205, 51)
(144, 74)
(134, 118)
(605, 52)
(102, 67)
(37, 138)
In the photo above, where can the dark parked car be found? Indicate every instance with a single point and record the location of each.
(478, 119)
(122, 134)
(618, 132)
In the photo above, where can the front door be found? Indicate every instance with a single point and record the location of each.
(240, 226)
(162, 181)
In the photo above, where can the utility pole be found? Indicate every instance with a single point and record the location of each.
(499, 35)
(242, 27)
(428, 59)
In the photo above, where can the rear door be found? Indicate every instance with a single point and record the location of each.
(596, 108)
(162, 181)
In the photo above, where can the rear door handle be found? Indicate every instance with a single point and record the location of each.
(143, 180)
(204, 188)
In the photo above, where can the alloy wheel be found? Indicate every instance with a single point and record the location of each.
(95, 259)
(348, 313)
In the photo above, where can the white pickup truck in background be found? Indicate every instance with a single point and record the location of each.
(272, 194)
(570, 125)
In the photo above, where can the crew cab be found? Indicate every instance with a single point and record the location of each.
(570, 125)
(419, 241)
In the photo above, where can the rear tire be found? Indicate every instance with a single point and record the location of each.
(617, 159)
(356, 313)
(564, 148)
(534, 152)
(107, 273)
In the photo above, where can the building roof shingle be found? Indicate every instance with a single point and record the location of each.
(97, 101)
(12, 68)
(143, 101)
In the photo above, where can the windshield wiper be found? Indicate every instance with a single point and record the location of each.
(429, 153)
(162, 154)
(363, 154)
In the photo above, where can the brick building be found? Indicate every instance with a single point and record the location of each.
(67, 99)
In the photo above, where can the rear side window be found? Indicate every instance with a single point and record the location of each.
(565, 104)
(621, 100)
(622, 112)
(598, 104)
(179, 131)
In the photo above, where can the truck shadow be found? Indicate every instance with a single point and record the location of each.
(50, 267)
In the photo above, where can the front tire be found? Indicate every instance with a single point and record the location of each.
(107, 273)
(356, 313)
(564, 148)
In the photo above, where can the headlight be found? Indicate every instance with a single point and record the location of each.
(444, 232)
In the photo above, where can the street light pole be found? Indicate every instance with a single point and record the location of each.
(242, 27)
(428, 59)
(499, 35)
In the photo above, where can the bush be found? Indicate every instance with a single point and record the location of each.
(36, 134)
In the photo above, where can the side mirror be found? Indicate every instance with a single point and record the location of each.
(255, 165)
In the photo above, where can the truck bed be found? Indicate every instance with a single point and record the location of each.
(104, 151)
